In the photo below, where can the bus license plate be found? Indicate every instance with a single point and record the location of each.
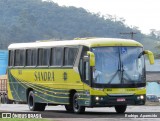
(121, 99)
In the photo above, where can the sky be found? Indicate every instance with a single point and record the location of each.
(144, 14)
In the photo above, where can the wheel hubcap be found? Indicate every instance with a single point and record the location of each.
(76, 106)
(31, 101)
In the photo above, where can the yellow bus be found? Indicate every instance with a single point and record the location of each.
(86, 72)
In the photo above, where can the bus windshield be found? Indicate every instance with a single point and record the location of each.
(118, 65)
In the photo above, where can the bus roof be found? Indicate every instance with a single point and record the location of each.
(89, 42)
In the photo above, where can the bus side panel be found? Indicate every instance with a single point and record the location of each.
(16, 90)
(48, 85)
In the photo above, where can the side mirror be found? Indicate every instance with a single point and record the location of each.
(150, 56)
(91, 58)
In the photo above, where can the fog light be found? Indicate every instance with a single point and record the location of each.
(97, 98)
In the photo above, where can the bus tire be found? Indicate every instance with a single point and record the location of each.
(33, 106)
(9, 101)
(41, 106)
(3, 99)
(69, 108)
(120, 108)
(77, 108)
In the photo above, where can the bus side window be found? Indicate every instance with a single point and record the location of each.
(28, 57)
(56, 56)
(86, 72)
(40, 56)
(11, 57)
(19, 57)
(46, 56)
(81, 68)
(34, 57)
(70, 56)
(31, 57)
(43, 56)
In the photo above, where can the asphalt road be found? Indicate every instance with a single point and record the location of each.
(58, 113)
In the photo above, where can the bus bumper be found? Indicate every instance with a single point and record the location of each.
(107, 101)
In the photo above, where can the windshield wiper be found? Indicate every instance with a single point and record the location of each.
(114, 74)
(122, 72)
(118, 70)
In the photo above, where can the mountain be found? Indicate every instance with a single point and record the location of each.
(31, 20)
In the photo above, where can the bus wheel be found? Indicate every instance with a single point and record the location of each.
(5, 99)
(120, 108)
(1, 99)
(10, 101)
(69, 108)
(33, 106)
(77, 108)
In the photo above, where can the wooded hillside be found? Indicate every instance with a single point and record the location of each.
(31, 20)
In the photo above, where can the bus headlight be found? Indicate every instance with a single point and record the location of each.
(102, 98)
(97, 98)
(141, 97)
